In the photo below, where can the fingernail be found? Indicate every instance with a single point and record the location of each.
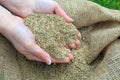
(48, 61)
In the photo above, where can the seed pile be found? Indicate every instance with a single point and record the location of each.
(51, 31)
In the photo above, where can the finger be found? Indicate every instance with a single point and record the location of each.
(33, 58)
(41, 54)
(70, 56)
(79, 35)
(77, 42)
(72, 46)
(66, 60)
(61, 13)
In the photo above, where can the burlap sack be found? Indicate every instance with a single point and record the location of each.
(100, 36)
(109, 68)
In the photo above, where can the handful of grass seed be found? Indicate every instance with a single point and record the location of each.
(51, 31)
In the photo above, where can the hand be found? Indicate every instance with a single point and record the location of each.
(21, 37)
(23, 8)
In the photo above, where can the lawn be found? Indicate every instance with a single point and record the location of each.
(113, 4)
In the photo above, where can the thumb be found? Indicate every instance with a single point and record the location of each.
(59, 11)
(41, 54)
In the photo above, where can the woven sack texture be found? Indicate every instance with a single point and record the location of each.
(100, 30)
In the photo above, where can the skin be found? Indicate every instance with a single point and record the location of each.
(13, 28)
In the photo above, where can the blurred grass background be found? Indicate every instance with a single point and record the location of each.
(113, 4)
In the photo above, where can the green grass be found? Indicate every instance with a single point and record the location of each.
(113, 4)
